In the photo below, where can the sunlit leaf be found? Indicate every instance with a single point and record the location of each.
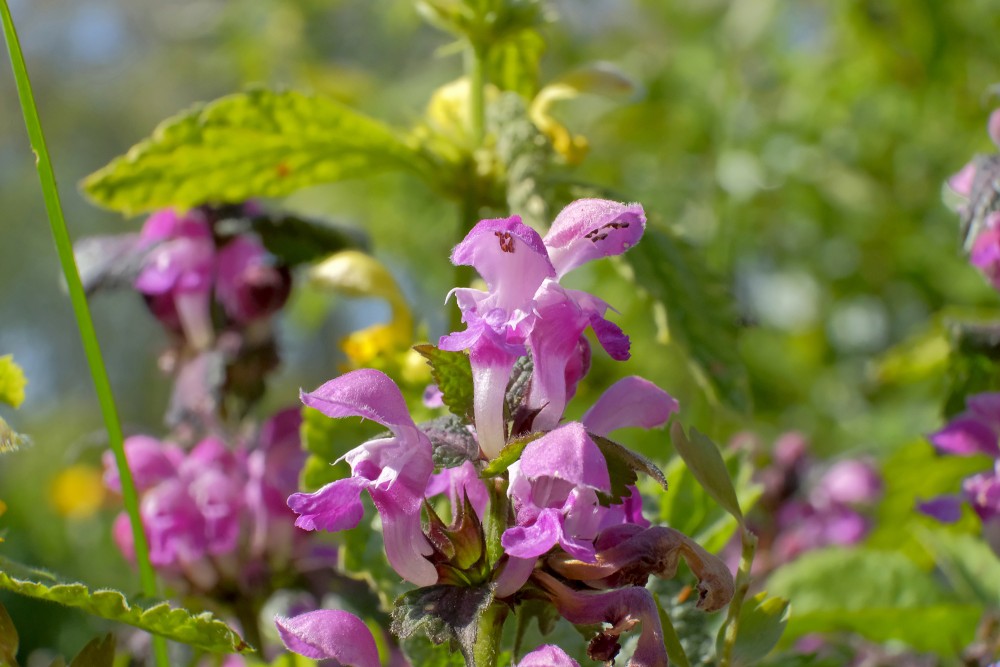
(12, 382)
(203, 630)
(254, 144)
(762, 622)
(452, 372)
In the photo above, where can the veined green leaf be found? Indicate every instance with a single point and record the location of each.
(452, 372)
(254, 144)
(762, 622)
(704, 459)
(202, 631)
(12, 382)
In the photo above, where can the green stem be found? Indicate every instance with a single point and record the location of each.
(98, 371)
(496, 519)
(486, 652)
(726, 639)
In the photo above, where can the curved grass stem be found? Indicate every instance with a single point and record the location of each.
(81, 310)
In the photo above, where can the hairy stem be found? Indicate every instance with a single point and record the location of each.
(726, 639)
(496, 518)
(81, 310)
(486, 652)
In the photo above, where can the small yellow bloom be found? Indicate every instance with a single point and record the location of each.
(78, 491)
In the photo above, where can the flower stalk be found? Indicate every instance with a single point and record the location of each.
(486, 652)
(81, 310)
(726, 639)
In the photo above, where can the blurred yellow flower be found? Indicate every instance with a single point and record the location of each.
(78, 491)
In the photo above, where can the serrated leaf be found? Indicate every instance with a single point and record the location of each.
(12, 382)
(881, 595)
(623, 464)
(254, 144)
(8, 639)
(705, 462)
(762, 622)
(202, 631)
(452, 442)
(444, 614)
(99, 652)
(452, 372)
(701, 314)
(671, 641)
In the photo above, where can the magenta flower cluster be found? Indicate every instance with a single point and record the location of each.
(185, 269)
(215, 515)
(570, 538)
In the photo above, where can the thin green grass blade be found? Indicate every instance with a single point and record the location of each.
(81, 310)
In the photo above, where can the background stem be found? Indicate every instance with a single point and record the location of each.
(81, 310)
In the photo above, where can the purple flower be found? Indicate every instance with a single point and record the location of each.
(848, 482)
(554, 488)
(985, 251)
(330, 634)
(395, 471)
(248, 283)
(547, 656)
(622, 609)
(525, 308)
(176, 277)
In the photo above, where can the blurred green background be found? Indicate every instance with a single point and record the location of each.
(800, 146)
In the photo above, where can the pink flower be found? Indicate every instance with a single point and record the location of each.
(525, 308)
(395, 471)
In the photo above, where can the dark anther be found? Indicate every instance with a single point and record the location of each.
(506, 241)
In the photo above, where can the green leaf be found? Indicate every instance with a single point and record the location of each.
(298, 240)
(967, 562)
(452, 372)
(513, 64)
(202, 631)
(511, 452)
(8, 639)
(623, 464)
(689, 508)
(703, 458)
(12, 382)
(444, 614)
(452, 442)
(99, 652)
(701, 315)
(881, 595)
(671, 641)
(258, 143)
(420, 651)
(762, 622)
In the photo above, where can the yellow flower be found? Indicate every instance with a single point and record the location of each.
(78, 491)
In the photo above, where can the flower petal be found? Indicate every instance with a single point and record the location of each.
(947, 509)
(589, 229)
(336, 506)
(365, 393)
(511, 258)
(330, 634)
(632, 401)
(534, 540)
(569, 454)
(966, 435)
(548, 656)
